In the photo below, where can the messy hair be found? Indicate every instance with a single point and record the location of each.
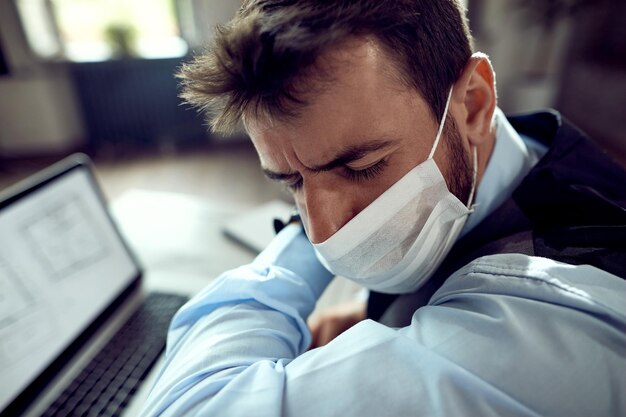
(263, 61)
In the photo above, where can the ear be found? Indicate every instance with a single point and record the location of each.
(475, 90)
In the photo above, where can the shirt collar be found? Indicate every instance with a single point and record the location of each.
(509, 163)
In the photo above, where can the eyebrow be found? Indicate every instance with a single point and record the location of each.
(347, 155)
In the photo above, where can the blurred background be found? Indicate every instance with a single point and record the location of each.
(97, 76)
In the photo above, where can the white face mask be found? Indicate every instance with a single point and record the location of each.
(397, 242)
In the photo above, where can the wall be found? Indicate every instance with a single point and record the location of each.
(199, 17)
(526, 57)
(39, 113)
(592, 89)
(575, 64)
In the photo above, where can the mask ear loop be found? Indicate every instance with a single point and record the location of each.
(443, 122)
(474, 176)
(474, 156)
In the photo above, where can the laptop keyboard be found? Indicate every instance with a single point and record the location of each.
(107, 384)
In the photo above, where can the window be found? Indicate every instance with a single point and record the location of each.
(97, 30)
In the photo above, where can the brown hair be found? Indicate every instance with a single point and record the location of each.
(261, 61)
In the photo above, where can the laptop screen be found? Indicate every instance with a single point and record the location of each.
(62, 264)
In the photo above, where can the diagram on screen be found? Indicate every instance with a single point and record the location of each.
(24, 326)
(65, 238)
(14, 297)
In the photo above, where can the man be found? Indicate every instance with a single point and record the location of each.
(495, 254)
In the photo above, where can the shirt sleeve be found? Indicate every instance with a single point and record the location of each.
(500, 338)
(249, 323)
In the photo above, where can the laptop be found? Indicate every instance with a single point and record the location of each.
(78, 333)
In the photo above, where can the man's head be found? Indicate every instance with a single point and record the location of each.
(342, 98)
(266, 59)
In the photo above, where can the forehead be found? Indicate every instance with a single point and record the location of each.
(361, 97)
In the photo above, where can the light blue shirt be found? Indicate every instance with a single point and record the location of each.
(512, 158)
(506, 335)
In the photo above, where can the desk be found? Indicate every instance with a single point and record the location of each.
(178, 238)
(179, 241)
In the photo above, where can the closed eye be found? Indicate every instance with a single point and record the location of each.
(365, 174)
(295, 184)
(356, 175)
(291, 180)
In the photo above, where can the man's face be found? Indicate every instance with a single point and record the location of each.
(356, 137)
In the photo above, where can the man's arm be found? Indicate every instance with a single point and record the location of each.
(251, 316)
(492, 343)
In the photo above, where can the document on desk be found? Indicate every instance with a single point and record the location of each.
(255, 228)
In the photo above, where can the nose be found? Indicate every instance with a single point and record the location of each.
(324, 211)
